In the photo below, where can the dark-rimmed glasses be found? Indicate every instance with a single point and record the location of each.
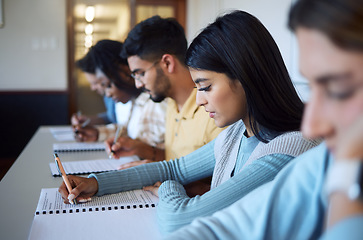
(139, 74)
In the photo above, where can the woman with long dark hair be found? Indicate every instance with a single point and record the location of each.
(242, 82)
(319, 194)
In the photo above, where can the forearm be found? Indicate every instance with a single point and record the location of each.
(350, 151)
(341, 207)
(224, 224)
(145, 175)
(105, 131)
(131, 178)
(145, 151)
(176, 209)
(349, 228)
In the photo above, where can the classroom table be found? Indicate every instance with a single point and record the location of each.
(21, 186)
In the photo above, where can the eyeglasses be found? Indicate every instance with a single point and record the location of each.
(138, 74)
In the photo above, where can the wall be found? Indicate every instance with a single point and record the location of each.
(33, 71)
(23, 113)
(33, 46)
(34, 37)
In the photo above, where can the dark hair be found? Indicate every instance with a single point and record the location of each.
(154, 37)
(105, 55)
(339, 20)
(86, 64)
(238, 45)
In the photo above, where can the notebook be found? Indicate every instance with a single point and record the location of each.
(125, 215)
(91, 166)
(76, 147)
(63, 133)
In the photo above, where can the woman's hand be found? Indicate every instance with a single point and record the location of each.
(86, 134)
(83, 189)
(124, 146)
(350, 143)
(78, 119)
(153, 189)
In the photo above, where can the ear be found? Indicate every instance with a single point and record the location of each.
(168, 63)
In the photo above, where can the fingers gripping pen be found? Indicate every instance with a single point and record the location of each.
(64, 175)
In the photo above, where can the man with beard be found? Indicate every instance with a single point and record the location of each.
(155, 50)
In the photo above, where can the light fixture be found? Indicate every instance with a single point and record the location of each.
(88, 38)
(88, 44)
(88, 29)
(90, 13)
(89, 16)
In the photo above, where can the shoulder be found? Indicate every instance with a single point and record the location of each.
(290, 143)
(171, 106)
(294, 142)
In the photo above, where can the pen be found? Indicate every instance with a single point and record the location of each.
(117, 136)
(64, 175)
(84, 124)
(78, 115)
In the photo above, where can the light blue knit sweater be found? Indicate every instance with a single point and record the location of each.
(175, 208)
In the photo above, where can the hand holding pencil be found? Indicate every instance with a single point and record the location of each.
(80, 120)
(83, 132)
(117, 136)
(86, 134)
(124, 146)
(64, 176)
(83, 189)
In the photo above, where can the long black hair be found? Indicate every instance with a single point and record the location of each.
(238, 45)
(105, 56)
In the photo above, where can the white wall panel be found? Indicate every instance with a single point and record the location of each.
(33, 46)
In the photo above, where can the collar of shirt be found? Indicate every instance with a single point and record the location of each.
(142, 99)
(190, 107)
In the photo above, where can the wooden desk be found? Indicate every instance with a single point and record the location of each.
(20, 187)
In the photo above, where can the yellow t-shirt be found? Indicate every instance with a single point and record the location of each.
(189, 129)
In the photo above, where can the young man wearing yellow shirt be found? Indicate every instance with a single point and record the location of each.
(155, 50)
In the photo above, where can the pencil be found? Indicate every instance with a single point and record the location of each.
(64, 175)
(117, 136)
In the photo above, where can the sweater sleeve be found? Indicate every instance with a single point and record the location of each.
(350, 228)
(289, 207)
(196, 165)
(176, 209)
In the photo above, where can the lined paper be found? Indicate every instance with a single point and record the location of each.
(91, 166)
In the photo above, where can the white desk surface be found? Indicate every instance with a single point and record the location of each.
(20, 187)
